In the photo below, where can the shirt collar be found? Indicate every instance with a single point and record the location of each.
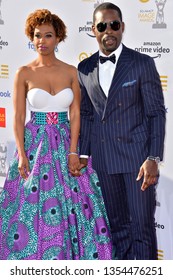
(117, 52)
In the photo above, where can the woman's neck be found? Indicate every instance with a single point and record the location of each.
(46, 61)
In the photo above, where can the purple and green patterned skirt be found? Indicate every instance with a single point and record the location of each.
(52, 215)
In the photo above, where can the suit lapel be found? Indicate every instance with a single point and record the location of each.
(123, 67)
(97, 95)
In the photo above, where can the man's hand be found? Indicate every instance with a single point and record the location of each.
(149, 170)
(83, 163)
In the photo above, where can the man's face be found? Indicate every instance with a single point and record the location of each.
(108, 40)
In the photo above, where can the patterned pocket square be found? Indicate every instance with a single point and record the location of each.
(128, 84)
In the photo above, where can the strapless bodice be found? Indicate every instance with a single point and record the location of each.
(40, 100)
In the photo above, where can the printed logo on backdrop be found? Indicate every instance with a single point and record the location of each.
(5, 94)
(87, 27)
(4, 71)
(3, 43)
(1, 20)
(164, 82)
(155, 16)
(3, 159)
(2, 117)
(159, 226)
(160, 18)
(156, 50)
(84, 55)
(146, 15)
(160, 254)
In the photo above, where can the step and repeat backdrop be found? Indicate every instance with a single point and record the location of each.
(148, 29)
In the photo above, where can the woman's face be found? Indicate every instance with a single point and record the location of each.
(45, 39)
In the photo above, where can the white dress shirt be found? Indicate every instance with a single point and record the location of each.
(107, 70)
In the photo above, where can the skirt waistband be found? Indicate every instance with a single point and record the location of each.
(49, 118)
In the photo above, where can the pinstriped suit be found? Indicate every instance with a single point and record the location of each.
(120, 132)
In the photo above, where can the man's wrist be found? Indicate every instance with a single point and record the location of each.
(84, 156)
(156, 159)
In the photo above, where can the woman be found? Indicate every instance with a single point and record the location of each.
(48, 209)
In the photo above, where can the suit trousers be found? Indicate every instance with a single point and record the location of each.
(131, 215)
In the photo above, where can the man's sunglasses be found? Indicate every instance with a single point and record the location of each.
(115, 25)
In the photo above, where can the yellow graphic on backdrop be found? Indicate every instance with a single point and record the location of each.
(4, 71)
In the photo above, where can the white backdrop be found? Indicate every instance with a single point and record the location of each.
(149, 28)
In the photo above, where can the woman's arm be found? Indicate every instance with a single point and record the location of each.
(19, 105)
(74, 114)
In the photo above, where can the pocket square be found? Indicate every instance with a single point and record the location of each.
(128, 84)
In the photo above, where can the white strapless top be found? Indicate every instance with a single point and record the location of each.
(40, 100)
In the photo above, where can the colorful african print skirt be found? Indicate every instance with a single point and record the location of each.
(52, 215)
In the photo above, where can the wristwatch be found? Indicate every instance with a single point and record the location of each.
(156, 159)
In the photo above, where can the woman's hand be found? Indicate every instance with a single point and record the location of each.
(74, 164)
(23, 167)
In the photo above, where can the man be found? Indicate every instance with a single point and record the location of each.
(123, 128)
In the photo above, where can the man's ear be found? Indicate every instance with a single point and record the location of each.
(123, 26)
(93, 29)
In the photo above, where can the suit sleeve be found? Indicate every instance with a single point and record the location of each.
(154, 108)
(86, 119)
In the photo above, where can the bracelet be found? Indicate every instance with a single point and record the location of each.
(73, 153)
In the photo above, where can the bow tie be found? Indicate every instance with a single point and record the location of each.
(103, 59)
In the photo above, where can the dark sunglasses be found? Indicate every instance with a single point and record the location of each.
(115, 25)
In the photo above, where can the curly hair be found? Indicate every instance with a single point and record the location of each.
(44, 16)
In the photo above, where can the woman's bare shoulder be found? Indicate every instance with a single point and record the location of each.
(68, 66)
(72, 70)
(24, 70)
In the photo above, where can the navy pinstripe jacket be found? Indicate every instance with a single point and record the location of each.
(120, 131)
